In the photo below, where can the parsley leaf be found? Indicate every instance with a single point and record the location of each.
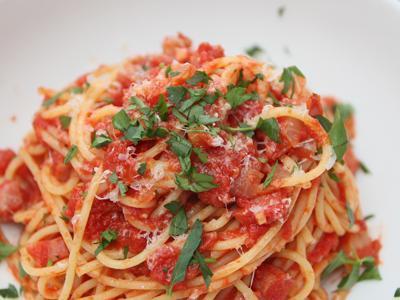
(10, 292)
(364, 168)
(176, 94)
(369, 217)
(205, 270)
(270, 127)
(397, 293)
(340, 260)
(113, 178)
(107, 237)
(6, 250)
(199, 76)
(332, 175)
(121, 120)
(350, 214)
(134, 133)
(237, 96)
(346, 110)
(142, 168)
(195, 96)
(338, 136)
(21, 271)
(49, 102)
(122, 188)
(195, 182)
(70, 154)
(179, 223)
(201, 155)
(161, 108)
(179, 145)
(76, 90)
(65, 121)
(270, 176)
(288, 79)
(254, 51)
(101, 141)
(181, 118)
(187, 252)
(325, 123)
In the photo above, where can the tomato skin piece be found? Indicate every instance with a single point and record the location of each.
(6, 157)
(327, 244)
(271, 283)
(11, 199)
(48, 250)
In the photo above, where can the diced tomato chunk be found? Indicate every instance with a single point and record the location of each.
(327, 244)
(271, 283)
(264, 209)
(48, 251)
(11, 199)
(206, 52)
(314, 105)
(6, 156)
(59, 169)
(106, 215)
(119, 159)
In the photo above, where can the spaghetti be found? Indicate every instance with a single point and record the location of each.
(187, 175)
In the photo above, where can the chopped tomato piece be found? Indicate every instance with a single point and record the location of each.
(328, 243)
(314, 105)
(206, 52)
(264, 209)
(351, 160)
(11, 199)
(106, 215)
(60, 170)
(48, 251)
(6, 156)
(271, 283)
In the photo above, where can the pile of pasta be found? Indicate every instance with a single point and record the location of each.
(187, 175)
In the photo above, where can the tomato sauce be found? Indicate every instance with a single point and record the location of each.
(106, 215)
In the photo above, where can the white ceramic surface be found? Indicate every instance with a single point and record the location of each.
(346, 48)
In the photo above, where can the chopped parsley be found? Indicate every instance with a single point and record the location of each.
(201, 155)
(65, 121)
(350, 215)
(237, 96)
(101, 141)
(397, 293)
(6, 250)
(121, 120)
(71, 154)
(205, 270)
(189, 248)
(122, 188)
(288, 79)
(369, 217)
(179, 223)
(254, 51)
(162, 108)
(125, 252)
(338, 136)
(142, 168)
(364, 168)
(270, 127)
(49, 102)
(21, 271)
(199, 76)
(179, 145)
(332, 175)
(176, 94)
(346, 110)
(107, 237)
(361, 269)
(76, 90)
(270, 176)
(11, 292)
(195, 182)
